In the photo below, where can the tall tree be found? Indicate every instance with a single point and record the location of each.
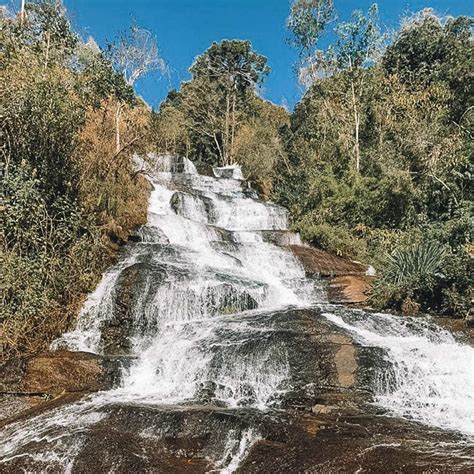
(223, 77)
(134, 54)
(358, 44)
(307, 22)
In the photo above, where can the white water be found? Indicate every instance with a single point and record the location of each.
(188, 344)
(432, 376)
(189, 349)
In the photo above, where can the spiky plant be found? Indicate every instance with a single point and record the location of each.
(419, 262)
(410, 276)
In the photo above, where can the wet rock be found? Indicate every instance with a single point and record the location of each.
(65, 371)
(346, 442)
(43, 377)
(52, 373)
(346, 365)
(227, 299)
(319, 262)
(193, 205)
(348, 289)
(142, 286)
(228, 172)
(199, 439)
(323, 409)
(281, 237)
(11, 405)
(324, 423)
(118, 330)
(204, 169)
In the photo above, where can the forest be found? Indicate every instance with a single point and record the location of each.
(374, 163)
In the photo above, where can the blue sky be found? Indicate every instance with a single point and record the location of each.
(185, 28)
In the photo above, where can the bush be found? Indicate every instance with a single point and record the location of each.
(334, 239)
(430, 273)
(407, 209)
(68, 196)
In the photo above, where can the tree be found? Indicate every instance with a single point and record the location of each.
(307, 21)
(22, 11)
(169, 134)
(65, 196)
(259, 145)
(134, 54)
(429, 49)
(228, 72)
(415, 191)
(357, 45)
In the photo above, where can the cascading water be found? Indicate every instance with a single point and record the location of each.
(190, 330)
(210, 281)
(431, 378)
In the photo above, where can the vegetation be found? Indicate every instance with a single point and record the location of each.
(218, 118)
(69, 194)
(375, 162)
(380, 158)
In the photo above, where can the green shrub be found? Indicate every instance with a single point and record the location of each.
(333, 239)
(430, 274)
(67, 195)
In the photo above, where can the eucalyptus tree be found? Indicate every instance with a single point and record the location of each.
(134, 55)
(307, 22)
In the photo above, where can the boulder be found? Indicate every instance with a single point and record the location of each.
(349, 281)
(325, 264)
(228, 172)
(53, 373)
(281, 237)
(65, 371)
(117, 331)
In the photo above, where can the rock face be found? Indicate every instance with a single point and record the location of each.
(129, 439)
(348, 281)
(54, 373)
(325, 424)
(65, 371)
(316, 261)
(348, 289)
(117, 331)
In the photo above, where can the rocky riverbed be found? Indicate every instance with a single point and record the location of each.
(326, 422)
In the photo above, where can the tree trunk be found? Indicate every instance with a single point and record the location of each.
(232, 137)
(226, 133)
(118, 113)
(22, 12)
(48, 41)
(356, 129)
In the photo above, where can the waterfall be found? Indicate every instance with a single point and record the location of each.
(210, 271)
(431, 376)
(200, 305)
